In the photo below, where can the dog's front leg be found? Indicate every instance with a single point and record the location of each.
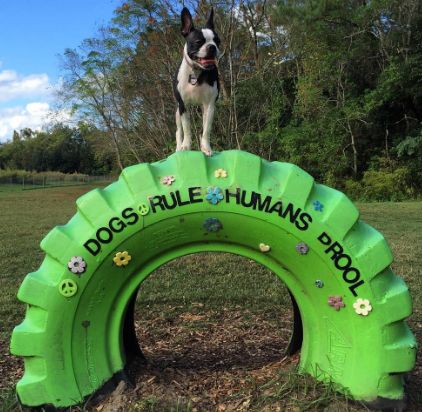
(187, 137)
(179, 131)
(208, 116)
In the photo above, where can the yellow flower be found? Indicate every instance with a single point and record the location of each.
(220, 173)
(122, 258)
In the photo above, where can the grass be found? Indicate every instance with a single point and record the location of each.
(182, 286)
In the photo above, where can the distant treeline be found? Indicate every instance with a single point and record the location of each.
(334, 86)
(62, 148)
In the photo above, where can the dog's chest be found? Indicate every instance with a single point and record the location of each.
(194, 92)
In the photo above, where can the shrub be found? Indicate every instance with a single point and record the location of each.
(382, 186)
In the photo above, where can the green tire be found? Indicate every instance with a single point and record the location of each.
(274, 213)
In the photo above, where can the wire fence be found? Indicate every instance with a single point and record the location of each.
(43, 181)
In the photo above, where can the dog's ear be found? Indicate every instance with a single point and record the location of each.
(210, 21)
(187, 22)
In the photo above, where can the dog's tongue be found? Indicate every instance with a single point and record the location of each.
(207, 62)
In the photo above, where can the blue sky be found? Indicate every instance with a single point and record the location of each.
(32, 34)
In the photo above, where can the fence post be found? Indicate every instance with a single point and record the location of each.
(23, 182)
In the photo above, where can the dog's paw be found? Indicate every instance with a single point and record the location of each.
(206, 149)
(184, 147)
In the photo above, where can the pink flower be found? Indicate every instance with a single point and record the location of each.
(168, 180)
(336, 302)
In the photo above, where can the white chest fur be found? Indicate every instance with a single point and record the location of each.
(200, 94)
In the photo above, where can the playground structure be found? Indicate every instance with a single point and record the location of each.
(350, 308)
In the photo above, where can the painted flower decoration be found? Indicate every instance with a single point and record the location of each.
(318, 206)
(362, 307)
(214, 195)
(122, 258)
(336, 302)
(168, 180)
(319, 283)
(220, 173)
(77, 265)
(302, 248)
(212, 224)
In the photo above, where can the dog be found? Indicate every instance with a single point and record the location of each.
(196, 81)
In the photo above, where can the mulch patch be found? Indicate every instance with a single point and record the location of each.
(206, 360)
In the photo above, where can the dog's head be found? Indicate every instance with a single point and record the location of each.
(202, 46)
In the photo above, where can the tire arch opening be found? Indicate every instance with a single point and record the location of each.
(132, 345)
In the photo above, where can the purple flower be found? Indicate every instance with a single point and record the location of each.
(336, 302)
(302, 248)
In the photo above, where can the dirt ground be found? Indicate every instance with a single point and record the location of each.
(206, 361)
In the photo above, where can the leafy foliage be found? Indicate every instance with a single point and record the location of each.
(63, 149)
(332, 85)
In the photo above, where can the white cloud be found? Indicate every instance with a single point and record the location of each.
(15, 86)
(25, 102)
(33, 115)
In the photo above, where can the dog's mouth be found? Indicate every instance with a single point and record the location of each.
(207, 62)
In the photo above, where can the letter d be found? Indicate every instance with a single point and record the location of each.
(94, 252)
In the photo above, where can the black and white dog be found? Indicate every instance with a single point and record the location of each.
(196, 81)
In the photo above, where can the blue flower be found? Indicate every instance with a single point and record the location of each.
(318, 206)
(214, 195)
(319, 283)
(212, 224)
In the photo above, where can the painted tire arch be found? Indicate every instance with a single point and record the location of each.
(337, 268)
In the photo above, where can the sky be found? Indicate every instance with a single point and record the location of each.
(33, 33)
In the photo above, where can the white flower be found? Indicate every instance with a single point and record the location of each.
(362, 307)
(77, 265)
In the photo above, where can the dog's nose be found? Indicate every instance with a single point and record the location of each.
(211, 50)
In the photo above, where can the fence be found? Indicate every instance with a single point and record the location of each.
(40, 181)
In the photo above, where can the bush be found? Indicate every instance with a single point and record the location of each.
(382, 186)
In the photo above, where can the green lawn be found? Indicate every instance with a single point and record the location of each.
(197, 295)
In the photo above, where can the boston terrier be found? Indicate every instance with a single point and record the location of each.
(196, 81)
